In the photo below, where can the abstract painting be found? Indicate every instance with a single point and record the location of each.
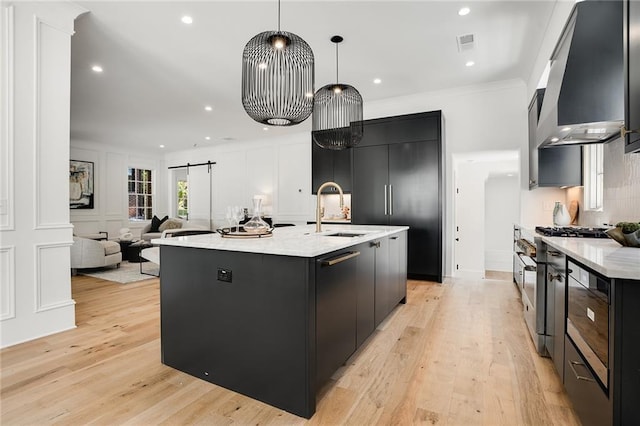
(80, 184)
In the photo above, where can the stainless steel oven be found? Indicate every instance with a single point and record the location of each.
(533, 295)
(588, 318)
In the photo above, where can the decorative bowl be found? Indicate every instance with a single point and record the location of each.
(626, 240)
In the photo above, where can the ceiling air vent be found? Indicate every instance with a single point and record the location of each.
(466, 42)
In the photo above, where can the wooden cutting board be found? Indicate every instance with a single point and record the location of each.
(574, 210)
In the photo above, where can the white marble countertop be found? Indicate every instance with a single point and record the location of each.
(298, 241)
(602, 255)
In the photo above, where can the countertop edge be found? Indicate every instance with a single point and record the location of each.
(214, 241)
(617, 273)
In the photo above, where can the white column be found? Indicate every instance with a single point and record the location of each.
(35, 231)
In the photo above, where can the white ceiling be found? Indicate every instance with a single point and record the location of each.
(160, 73)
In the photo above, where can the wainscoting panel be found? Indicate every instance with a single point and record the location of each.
(52, 268)
(87, 226)
(7, 201)
(7, 283)
(114, 177)
(51, 125)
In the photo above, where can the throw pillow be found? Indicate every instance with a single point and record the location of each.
(170, 224)
(155, 223)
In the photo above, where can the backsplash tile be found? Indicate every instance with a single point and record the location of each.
(621, 188)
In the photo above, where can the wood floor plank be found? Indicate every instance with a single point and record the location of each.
(456, 354)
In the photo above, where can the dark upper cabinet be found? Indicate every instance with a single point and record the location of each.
(552, 166)
(400, 183)
(330, 165)
(632, 74)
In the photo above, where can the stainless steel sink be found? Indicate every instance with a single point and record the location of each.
(344, 234)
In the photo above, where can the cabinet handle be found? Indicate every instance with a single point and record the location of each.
(390, 200)
(554, 253)
(579, 377)
(375, 244)
(385, 200)
(624, 132)
(393, 238)
(336, 260)
(532, 182)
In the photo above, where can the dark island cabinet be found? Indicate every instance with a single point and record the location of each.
(336, 301)
(632, 74)
(400, 183)
(552, 166)
(366, 292)
(329, 165)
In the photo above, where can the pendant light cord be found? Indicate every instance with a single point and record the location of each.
(337, 79)
(278, 15)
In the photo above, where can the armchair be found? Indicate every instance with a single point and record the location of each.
(88, 253)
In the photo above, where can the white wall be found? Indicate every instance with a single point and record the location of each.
(110, 212)
(278, 168)
(35, 230)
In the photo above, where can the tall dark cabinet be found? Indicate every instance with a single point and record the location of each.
(330, 165)
(632, 74)
(397, 180)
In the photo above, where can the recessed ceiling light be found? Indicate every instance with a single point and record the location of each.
(96, 68)
(566, 129)
(208, 108)
(464, 11)
(377, 81)
(265, 128)
(207, 138)
(187, 19)
(470, 63)
(161, 146)
(554, 139)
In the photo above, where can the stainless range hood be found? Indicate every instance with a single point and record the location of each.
(584, 98)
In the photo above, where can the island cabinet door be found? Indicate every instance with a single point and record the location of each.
(336, 299)
(384, 283)
(398, 268)
(365, 283)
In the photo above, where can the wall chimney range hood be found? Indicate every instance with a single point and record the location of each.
(584, 97)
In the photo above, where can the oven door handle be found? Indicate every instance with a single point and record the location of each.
(579, 377)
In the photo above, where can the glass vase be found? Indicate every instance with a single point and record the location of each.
(256, 225)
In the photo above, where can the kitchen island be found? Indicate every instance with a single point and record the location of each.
(273, 318)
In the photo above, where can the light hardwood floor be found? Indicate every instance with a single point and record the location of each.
(455, 354)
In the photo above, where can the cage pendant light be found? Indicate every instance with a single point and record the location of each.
(337, 113)
(277, 78)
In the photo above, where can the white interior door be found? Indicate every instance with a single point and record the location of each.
(469, 222)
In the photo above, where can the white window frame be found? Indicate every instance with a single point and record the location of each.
(593, 176)
(152, 194)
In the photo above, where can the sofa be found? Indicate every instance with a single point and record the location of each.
(155, 228)
(88, 253)
(159, 228)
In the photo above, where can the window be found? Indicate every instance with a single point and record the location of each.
(593, 176)
(183, 193)
(140, 194)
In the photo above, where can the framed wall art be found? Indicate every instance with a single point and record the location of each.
(80, 184)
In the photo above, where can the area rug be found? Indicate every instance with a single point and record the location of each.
(125, 274)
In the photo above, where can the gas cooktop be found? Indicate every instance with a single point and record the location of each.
(572, 231)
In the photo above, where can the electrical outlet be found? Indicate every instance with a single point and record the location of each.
(224, 275)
